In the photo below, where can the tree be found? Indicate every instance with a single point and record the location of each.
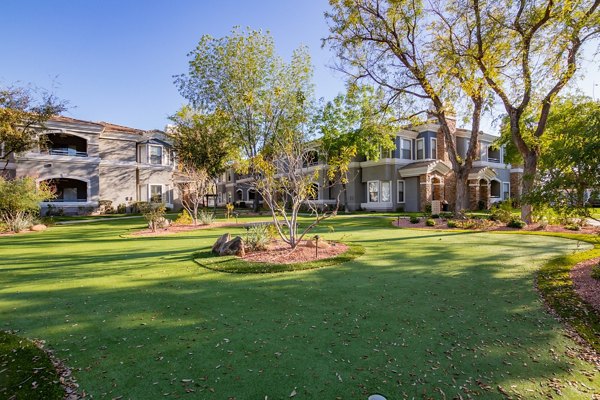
(358, 123)
(569, 165)
(240, 78)
(266, 105)
(414, 54)
(22, 117)
(20, 201)
(203, 147)
(528, 51)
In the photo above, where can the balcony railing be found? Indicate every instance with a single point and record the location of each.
(66, 201)
(67, 152)
(493, 159)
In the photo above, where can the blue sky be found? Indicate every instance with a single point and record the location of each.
(114, 60)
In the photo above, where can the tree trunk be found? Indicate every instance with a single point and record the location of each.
(462, 190)
(255, 204)
(530, 161)
(346, 210)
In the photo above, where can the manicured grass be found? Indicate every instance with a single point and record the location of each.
(421, 314)
(235, 265)
(26, 370)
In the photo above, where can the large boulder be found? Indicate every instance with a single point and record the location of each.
(220, 242)
(233, 247)
(38, 228)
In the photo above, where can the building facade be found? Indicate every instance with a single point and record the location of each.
(408, 178)
(97, 163)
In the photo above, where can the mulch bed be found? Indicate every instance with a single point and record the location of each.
(495, 226)
(278, 252)
(587, 287)
(184, 228)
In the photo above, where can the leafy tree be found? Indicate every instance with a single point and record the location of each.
(528, 51)
(358, 123)
(20, 201)
(240, 78)
(569, 163)
(414, 53)
(203, 146)
(153, 212)
(266, 105)
(21, 118)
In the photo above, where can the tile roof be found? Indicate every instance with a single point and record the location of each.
(106, 125)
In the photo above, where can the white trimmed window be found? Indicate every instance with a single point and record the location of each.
(386, 191)
(373, 188)
(155, 193)
(400, 191)
(420, 149)
(405, 149)
(433, 148)
(506, 190)
(155, 154)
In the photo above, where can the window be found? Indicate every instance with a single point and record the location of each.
(386, 153)
(495, 188)
(156, 193)
(493, 154)
(239, 195)
(434, 148)
(373, 187)
(506, 190)
(420, 149)
(405, 149)
(400, 191)
(251, 194)
(168, 196)
(155, 154)
(386, 191)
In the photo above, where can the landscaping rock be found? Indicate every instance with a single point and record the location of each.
(220, 242)
(161, 223)
(233, 247)
(38, 228)
(322, 244)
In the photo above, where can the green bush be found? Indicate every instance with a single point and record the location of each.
(430, 222)
(435, 216)
(414, 220)
(452, 224)
(154, 213)
(502, 212)
(573, 227)
(20, 201)
(596, 271)
(206, 217)
(259, 236)
(516, 223)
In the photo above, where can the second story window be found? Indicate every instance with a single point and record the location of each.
(420, 149)
(406, 149)
(155, 154)
(433, 148)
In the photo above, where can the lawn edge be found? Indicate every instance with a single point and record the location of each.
(353, 252)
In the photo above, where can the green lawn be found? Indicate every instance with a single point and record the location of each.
(421, 314)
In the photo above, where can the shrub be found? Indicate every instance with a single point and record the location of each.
(502, 213)
(206, 217)
(435, 216)
(414, 220)
(122, 208)
(154, 213)
(258, 237)
(573, 227)
(516, 223)
(19, 201)
(105, 207)
(445, 215)
(184, 218)
(428, 208)
(452, 224)
(400, 209)
(596, 271)
(430, 222)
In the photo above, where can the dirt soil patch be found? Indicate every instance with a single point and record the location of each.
(183, 228)
(279, 252)
(496, 226)
(587, 287)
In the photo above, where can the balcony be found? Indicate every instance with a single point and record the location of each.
(62, 144)
(65, 152)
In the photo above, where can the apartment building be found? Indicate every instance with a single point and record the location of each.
(90, 162)
(408, 178)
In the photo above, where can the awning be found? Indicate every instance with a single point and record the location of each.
(424, 167)
(479, 173)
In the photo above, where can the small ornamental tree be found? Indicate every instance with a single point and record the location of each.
(193, 186)
(20, 201)
(154, 213)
